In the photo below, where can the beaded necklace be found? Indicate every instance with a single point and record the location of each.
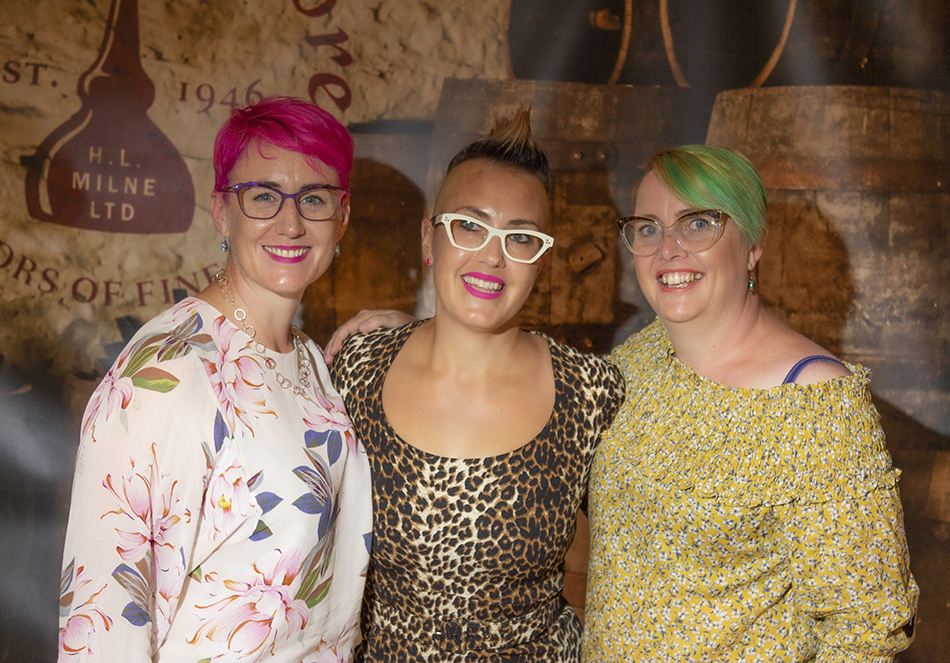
(303, 361)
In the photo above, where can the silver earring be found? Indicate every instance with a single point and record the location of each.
(752, 283)
(336, 252)
(224, 245)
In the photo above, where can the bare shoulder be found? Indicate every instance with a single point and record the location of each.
(798, 347)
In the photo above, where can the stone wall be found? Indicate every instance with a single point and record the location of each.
(62, 289)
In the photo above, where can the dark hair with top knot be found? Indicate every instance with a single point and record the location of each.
(510, 143)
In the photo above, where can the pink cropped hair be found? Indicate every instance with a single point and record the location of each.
(289, 123)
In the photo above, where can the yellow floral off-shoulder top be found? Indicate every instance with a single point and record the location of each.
(741, 524)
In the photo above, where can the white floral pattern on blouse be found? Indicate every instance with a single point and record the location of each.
(215, 516)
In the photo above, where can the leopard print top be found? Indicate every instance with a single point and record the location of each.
(468, 554)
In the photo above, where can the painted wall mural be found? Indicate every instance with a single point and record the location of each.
(108, 117)
(108, 111)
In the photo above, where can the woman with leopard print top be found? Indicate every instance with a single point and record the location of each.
(480, 435)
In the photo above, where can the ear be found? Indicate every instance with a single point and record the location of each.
(345, 222)
(755, 252)
(219, 212)
(427, 230)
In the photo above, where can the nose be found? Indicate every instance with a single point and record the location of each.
(492, 253)
(669, 246)
(289, 220)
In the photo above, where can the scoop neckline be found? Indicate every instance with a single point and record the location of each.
(544, 433)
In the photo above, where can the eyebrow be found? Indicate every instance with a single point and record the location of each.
(679, 215)
(306, 187)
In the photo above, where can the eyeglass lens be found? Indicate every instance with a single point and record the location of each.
(519, 246)
(694, 232)
(262, 202)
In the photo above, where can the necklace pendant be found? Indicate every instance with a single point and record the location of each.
(303, 361)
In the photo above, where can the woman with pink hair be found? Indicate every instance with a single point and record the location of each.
(221, 503)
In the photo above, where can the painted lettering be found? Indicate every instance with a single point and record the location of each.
(130, 185)
(81, 181)
(319, 10)
(140, 286)
(343, 57)
(168, 294)
(188, 284)
(11, 69)
(86, 290)
(48, 285)
(122, 159)
(326, 82)
(110, 293)
(210, 271)
(95, 155)
(9, 258)
(36, 71)
(26, 267)
(109, 206)
(77, 294)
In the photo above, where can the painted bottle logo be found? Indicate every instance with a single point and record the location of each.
(109, 167)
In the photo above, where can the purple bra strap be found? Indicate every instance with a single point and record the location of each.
(800, 366)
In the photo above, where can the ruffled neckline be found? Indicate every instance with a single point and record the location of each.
(745, 446)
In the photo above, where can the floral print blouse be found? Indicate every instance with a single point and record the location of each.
(215, 516)
(743, 525)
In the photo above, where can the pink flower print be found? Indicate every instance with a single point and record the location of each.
(237, 377)
(332, 418)
(148, 510)
(167, 597)
(183, 311)
(228, 501)
(114, 392)
(250, 616)
(77, 637)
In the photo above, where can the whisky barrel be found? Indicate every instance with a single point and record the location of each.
(859, 187)
(380, 261)
(859, 213)
(723, 45)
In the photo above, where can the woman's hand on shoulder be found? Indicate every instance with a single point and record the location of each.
(365, 321)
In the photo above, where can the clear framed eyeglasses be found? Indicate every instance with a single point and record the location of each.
(261, 201)
(471, 234)
(694, 231)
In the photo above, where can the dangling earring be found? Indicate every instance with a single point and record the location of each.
(336, 251)
(224, 245)
(752, 282)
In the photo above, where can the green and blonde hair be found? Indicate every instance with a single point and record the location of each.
(708, 177)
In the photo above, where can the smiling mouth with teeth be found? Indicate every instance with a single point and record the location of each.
(286, 253)
(674, 279)
(483, 285)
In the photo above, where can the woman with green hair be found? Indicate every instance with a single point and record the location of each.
(743, 506)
